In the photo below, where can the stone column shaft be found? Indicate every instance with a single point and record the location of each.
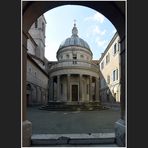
(97, 89)
(90, 88)
(58, 87)
(48, 89)
(68, 87)
(80, 88)
(51, 89)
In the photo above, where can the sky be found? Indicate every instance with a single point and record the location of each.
(92, 27)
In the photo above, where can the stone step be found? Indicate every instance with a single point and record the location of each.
(52, 106)
(73, 139)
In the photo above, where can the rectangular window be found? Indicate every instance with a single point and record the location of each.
(74, 62)
(67, 56)
(36, 24)
(107, 58)
(82, 56)
(119, 46)
(102, 65)
(114, 75)
(74, 59)
(115, 48)
(43, 28)
(74, 56)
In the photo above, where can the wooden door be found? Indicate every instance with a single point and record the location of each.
(74, 92)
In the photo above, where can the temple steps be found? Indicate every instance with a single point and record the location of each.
(107, 139)
(62, 106)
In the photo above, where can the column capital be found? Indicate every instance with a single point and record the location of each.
(58, 76)
(68, 75)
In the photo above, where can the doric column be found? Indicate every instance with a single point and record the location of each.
(68, 87)
(80, 87)
(58, 88)
(97, 89)
(51, 89)
(48, 89)
(90, 88)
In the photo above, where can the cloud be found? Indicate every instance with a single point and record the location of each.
(96, 17)
(94, 31)
(97, 30)
(101, 42)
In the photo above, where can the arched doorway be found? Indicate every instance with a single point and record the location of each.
(114, 11)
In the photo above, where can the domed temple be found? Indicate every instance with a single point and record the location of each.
(74, 78)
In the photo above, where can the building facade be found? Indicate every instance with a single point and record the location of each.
(37, 76)
(74, 78)
(109, 64)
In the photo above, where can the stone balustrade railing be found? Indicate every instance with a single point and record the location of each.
(75, 63)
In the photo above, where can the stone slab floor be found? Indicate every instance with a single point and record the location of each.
(66, 122)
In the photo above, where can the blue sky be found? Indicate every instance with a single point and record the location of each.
(92, 26)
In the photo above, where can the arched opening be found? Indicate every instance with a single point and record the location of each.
(114, 11)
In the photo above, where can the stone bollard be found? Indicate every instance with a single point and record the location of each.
(26, 133)
(120, 132)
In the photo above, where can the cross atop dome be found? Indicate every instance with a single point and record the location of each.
(74, 30)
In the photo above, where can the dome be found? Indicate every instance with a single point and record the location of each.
(74, 40)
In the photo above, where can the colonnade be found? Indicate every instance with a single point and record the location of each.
(68, 78)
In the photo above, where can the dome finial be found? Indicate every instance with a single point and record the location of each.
(74, 23)
(74, 30)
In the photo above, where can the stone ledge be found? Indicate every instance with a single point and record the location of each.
(55, 139)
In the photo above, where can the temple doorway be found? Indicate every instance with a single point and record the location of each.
(74, 92)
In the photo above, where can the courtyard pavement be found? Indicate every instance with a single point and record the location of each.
(66, 122)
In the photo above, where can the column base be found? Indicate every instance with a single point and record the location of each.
(26, 133)
(120, 132)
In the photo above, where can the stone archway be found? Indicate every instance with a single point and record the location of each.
(114, 11)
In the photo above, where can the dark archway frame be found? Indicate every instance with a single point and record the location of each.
(115, 11)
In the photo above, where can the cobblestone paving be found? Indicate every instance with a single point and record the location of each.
(65, 122)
